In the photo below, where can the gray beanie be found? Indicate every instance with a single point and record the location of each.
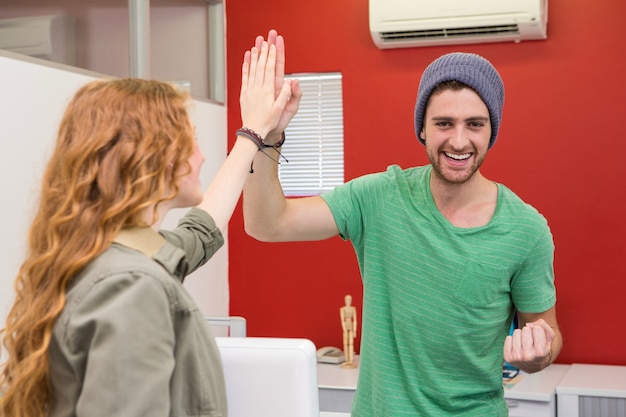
(471, 70)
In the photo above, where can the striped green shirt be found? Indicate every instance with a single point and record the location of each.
(438, 299)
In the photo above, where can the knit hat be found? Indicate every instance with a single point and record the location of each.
(470, 69)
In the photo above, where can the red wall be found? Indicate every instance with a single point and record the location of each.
(561, 147)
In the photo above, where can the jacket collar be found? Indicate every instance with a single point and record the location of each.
(152, 244)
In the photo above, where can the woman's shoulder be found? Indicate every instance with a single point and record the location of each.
(118, 275)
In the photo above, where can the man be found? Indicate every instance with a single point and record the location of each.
(447, 256)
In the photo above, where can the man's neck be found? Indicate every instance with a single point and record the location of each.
(469, 204)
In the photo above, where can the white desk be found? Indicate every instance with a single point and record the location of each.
(592, 391)
(533, 396)
(336, 386)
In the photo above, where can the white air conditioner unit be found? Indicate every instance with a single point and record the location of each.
(47, 37)
(409, 23)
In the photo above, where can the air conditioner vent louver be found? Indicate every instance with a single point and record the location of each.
(450, 33)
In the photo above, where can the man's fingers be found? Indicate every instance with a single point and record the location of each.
(280, 62)
(527, 338)
(271, 36)
(508, 348)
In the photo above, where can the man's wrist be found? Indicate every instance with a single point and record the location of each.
(275, 139)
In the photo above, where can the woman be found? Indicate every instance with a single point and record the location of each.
(101, 324)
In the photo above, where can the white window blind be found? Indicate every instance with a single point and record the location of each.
(314, 145)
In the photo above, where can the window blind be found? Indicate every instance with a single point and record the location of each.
(314, 145)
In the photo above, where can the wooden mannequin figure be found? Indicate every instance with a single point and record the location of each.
(349, 325)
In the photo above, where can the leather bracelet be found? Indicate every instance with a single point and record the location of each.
(258, 139)
(252, 135)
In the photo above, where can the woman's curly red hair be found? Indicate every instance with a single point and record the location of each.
(118, 146)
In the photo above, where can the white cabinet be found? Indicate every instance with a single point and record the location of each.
(336, 386)
(592, 391)
(533, 396)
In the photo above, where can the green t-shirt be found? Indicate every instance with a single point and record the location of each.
(438, 299)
